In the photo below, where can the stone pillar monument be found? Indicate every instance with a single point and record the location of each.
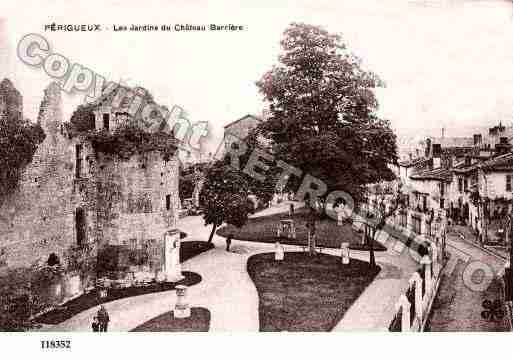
(345, 252)
(182, 309)
(279, 252)
(172, 267)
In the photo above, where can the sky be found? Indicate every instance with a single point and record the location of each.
(445, 63)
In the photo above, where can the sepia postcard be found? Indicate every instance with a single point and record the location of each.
(171, 167)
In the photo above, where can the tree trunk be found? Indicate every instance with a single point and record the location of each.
(372, 259)
(212, 233)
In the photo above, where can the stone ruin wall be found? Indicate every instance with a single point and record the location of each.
(38, 218)
(123, 201)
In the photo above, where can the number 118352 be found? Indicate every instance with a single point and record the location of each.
(55, 344)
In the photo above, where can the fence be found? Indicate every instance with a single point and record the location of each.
(507, 286)
(396, 324)
(414, 306)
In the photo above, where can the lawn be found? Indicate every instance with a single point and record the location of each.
(328, 233)
(88, 300)
(199, 321)
(191, 249)
(305, 293)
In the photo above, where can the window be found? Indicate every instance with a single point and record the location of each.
(91, 121)
(460, 185)
(473, 181)
(78, 161)
(416, 224)
(508, 183)
(442, 189)
(168, 202)
(80, 226)
(403, 218)
(465, 185)
(106, 121)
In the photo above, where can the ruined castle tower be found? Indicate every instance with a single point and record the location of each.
(74, 196)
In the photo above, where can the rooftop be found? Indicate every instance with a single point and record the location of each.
(250, 116)
(499, 163)
(437, 174)
(415, 162)
(446, 142)
(463, 167)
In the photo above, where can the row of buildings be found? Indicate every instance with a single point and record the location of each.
(469, 179)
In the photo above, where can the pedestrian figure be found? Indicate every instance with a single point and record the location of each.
(228, 243)
(95, 325)
(291, 210)
(103, 318)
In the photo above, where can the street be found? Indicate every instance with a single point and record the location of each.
(458, 307)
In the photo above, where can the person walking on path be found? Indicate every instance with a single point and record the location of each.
(95, 325)
(228, 243)
(103, 318)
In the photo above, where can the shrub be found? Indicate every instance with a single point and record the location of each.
(19, 140)
(126, 142)
(18, 300)
(53, 260)
(80, 260)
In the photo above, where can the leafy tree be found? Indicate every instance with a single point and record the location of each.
(224, 197)
(19, 139)
(323, 112)
(186, 186)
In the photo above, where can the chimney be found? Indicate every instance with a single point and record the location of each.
(437, 155)
(437, 162)
(477, 139)
(443, 132)
(436, 150)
